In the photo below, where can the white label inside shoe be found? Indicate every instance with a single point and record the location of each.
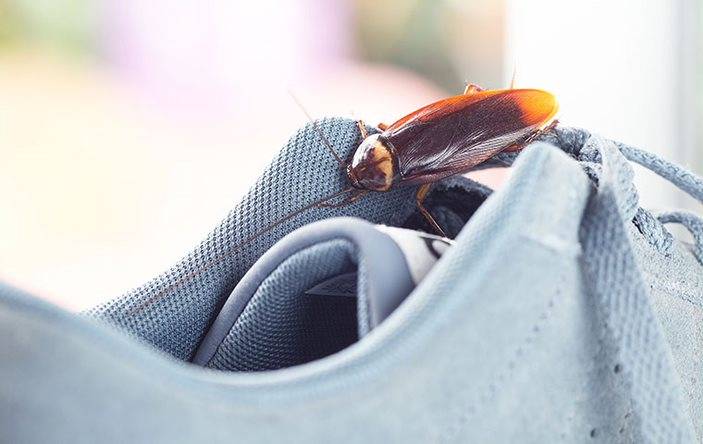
(421, 250)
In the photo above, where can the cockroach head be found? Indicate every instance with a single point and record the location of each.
(372, 166)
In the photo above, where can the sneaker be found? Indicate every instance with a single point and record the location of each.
(560, 311)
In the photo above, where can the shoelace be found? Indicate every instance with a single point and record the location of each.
(574, 142)
(616, 282)
(683, 179)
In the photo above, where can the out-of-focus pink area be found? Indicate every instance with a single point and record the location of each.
(223, 56)
(115, 166)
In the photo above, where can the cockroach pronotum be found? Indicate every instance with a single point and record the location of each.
(446, 138)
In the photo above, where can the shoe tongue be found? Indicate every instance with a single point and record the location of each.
(318, 290)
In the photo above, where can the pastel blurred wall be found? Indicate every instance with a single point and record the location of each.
(128, 129)
(625, 69)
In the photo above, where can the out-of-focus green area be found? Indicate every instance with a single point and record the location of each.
(412, 34)
(435, 38)
(61, 25)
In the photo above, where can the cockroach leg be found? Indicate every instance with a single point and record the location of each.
(362, 129)
(532, 137)
(472, 88)
(552, 125)
(382, 126)
(419, 199)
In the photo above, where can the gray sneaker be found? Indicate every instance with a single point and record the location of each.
(562, 311)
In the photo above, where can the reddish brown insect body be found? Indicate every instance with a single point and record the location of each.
(448, 137)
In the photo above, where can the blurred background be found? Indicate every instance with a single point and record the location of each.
(129, 128)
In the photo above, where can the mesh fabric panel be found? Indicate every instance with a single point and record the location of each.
(174, 310)
(282, 326)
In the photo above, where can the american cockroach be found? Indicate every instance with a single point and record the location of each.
(446, 138)
(442, 139)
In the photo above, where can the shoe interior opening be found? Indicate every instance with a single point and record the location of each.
(452, 204)
(307, 309)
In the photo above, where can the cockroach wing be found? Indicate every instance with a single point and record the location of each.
(455, 134)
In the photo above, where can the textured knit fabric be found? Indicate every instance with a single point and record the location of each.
(563, 313)
(282, 326)
(303, 290)
(174, 310)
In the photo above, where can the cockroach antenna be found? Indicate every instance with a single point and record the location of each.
(319, 131)
(512, 79)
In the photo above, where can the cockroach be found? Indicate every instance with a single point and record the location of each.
(442, 139)
(446, 138)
